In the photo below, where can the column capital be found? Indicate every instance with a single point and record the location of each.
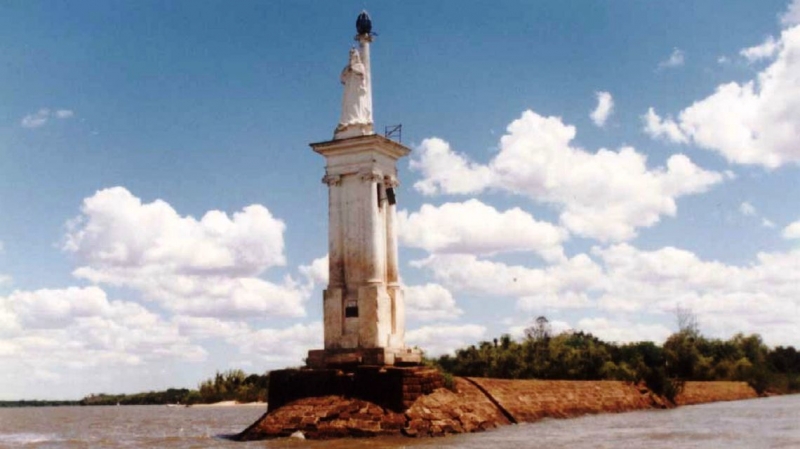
(332, 180)
(391, 181)
(371, 175)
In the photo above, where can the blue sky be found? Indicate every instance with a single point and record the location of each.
(600, 163)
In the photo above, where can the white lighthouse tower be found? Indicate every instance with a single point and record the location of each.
(363, 306)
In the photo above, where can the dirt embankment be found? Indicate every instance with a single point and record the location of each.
(531, 400)
(703, 392)
(478, 404)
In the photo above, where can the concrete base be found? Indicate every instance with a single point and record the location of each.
(350, 358)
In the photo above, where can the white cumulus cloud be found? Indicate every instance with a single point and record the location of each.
(605, 106)
(759, 297)
(792, 15)
(792, 231)
(473, 227)
(605, 195)
(446, 171)
(287, 346)
(438, 339)
(765, 50)
(566, 284)
(317, 272)
(79, 327)
(208, 327)
(430, 302)
(75, 341)
(204, 267)
(656, 127)
(623, 284)
(753, 123)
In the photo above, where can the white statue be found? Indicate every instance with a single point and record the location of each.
(356, 118)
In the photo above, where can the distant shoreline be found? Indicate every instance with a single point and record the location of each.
(37, 403)
(230, 404)
(45, 403)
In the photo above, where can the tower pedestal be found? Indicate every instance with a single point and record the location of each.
(363, 306)
(395, 388)
(349, 358)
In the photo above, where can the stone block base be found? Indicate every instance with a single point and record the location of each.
(439, 413)
(394, 388)
(349, 358)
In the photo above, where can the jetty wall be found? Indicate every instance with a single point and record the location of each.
(531, 400)
(477, 404)
(703, 392)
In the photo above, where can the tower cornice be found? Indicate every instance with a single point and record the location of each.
(359, 144)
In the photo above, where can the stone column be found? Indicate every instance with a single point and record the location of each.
(373, 302)
(335, 237)
(396, 297)
(332, 297)
(391, 237)
(373, 266)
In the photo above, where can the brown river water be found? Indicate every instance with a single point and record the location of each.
(758, 423)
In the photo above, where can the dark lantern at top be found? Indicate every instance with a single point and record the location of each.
(363, 23)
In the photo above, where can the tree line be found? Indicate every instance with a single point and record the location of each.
(231, 385)
(686, 355)
(37, 403)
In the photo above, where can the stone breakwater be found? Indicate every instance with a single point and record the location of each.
(477, 404)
